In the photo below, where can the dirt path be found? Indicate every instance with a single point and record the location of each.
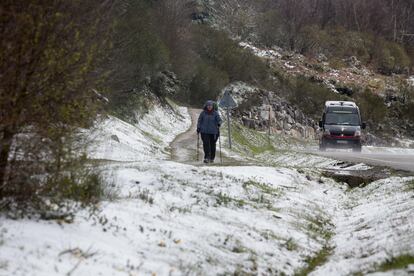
(184, 146)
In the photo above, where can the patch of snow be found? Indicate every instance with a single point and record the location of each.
(288, 65)
(411, 80)
(239, 90)
(263, 53)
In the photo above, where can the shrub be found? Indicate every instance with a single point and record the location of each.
(206, 83)
(218, 50)
(408, 112)
(372, 106)
(85, 187)
(389, 57)
(310, 97)
(311, 40)
(269, 33)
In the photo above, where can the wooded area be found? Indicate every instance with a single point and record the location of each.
(379, 33)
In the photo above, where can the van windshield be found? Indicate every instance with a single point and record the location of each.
(342, 117)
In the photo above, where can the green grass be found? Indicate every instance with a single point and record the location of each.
(399, 262)
(251, 140)
(314, 261)
(291, 245)
(224, 199)
(257, 146)
(265, 188)
(410, 185)
(152, 137)
(318, 227)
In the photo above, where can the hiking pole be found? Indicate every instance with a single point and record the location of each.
(221, 157)
(198, 146)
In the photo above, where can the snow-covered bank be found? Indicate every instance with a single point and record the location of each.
(179, 219)
(169, 218)
(117, 140)
(375, 224)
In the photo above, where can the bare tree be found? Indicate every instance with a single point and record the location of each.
(237, 16)
(50, 55)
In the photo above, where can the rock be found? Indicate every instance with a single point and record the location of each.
(250, 123)
(287, 126)
(115, 138)
(321, 58)
(345, 91)
(376, 84)
(164, 84)
(201, 16)
(353, 62)
(295, 133)
(284, 117)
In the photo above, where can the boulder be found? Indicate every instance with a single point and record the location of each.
(115, 138)
(353, 61)
(287, 126)
(290, 120)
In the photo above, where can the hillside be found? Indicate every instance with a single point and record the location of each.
(325, 59)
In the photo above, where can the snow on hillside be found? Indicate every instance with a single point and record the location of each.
(411, 80)
(376, 224)
(170, 218)
(117, 140)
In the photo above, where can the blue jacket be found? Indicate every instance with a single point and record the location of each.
(209, 123)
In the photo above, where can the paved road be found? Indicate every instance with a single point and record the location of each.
(184, 150)
(399, 161)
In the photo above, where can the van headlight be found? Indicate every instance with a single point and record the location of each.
(357, 133)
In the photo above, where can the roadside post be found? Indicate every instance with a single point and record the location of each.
(228, 103)
(270, 122)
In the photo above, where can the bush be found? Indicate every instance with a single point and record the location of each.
(372, 107)
(269, 33)
(408, 112)
(83, 187)
(310, 97)
(52, 56)
(206, 84)
(390, 57)
(312, 40)
(218, 50)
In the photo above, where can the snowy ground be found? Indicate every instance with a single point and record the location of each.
(171, 218)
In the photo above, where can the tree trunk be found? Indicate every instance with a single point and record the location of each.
(6, 143)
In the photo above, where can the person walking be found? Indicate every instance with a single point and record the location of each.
(208, 126)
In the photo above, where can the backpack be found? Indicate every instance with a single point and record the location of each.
(215, 106)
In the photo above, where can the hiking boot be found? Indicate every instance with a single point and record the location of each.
(211, 161)
(206, 161)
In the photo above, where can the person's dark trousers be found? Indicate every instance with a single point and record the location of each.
(209, 145)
